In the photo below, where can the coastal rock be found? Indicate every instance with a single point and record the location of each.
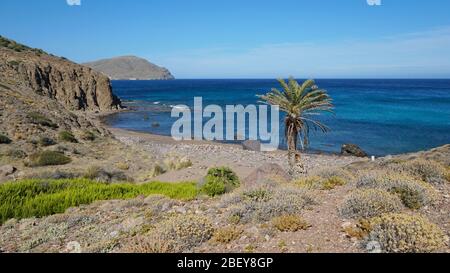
(75, 86)
(252, 145)
(7, 170)
(353, 150)
(130, 68)
(269, 172)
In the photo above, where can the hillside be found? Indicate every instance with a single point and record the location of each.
(130, 67)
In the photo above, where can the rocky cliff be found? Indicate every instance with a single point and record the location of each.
(130, 67)
(74, 86)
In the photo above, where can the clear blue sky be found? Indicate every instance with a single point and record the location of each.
(244, 38)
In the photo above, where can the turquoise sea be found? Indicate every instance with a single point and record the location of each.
(382, 116)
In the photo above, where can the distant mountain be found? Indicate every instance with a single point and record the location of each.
(130, 67)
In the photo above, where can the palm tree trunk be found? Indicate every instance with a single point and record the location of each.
(294, 156)
(292, 138)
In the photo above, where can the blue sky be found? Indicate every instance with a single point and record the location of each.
(245, 38)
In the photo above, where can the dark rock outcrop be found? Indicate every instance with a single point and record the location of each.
(353, 150)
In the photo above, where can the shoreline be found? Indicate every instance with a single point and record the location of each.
(101, 117)
(169, 140)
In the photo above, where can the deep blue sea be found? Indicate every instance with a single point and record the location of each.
(382, 116)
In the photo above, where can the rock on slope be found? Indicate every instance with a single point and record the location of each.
(76, 87)
(130, 67)
(41, 94)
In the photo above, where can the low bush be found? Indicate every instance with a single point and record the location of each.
(16, 153)
(290, 223)
(157, 170)
(40, 119)
(4, 139)
(38, 198)
(175, 163)
(99, 174)
(47, 158)
(276, 202)
(414, 193)
(67, 136)
(425, 170)
(176, 234)
(320, 183)
(333, 182)
(88, 136)
(370, 203)
(227, 234)
(219, 181)
(401, 233)
(327, 173)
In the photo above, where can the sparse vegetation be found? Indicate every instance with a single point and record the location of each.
(173, 235)
(4, 139)
(88, 136)
(227, 234)
(370, 203)
(47, 158)
(38, 198)
(320, 183)
(67, 136)
(175, 163)
(99, 174)
(290, 223)
(413, 193)
(219, 181)
(40, 119)
(18, 47)
(276, 202)
(425, 170)
(401, 233)
(157, 170)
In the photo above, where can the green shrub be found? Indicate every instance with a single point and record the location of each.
(4, 139)
(401, 233)
(290, 223)
(47, 158)
(67, 136)
(413, 193)
(38, 198)
(177, 234)
(219, 181)
(370, 203)
(39, 119)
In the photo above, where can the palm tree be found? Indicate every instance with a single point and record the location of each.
(301, 104)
